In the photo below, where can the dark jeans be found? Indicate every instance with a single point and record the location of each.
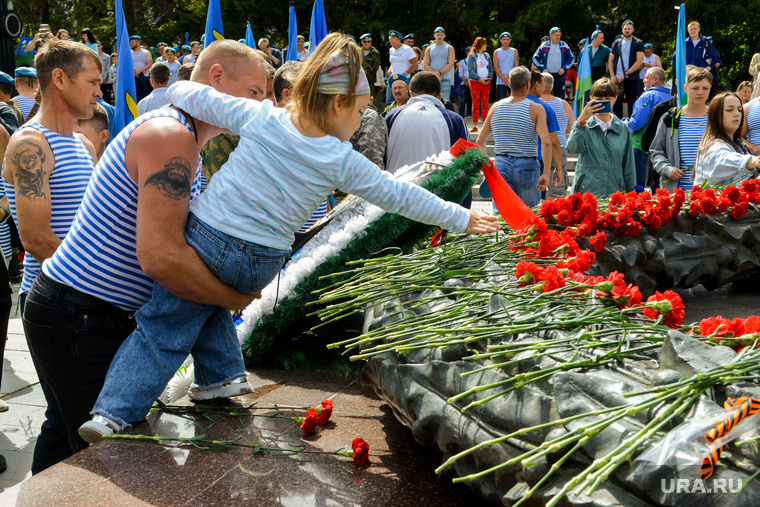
(502, 92)
(466, 108)
(630, 89)
(52, 443)
(642, 166)
(559, 85)
(143, 87)
(74, 337)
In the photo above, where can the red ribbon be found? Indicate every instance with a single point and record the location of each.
(511, 207)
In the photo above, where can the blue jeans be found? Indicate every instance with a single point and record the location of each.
(445, 89)
(169, 328)
(521, 174)
(642, 167)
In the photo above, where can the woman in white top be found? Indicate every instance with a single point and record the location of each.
(722, 158)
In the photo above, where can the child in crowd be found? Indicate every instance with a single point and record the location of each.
(95, 129)
(242, 226)
(722, 158)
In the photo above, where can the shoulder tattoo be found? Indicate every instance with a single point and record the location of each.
(173, 181)
(28, 158)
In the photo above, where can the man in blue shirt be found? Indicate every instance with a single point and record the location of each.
(701, 53)
(536, 90)
(554, 56)
(654, 94)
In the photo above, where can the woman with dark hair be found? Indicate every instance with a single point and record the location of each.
(722, 157)
(88, 39)
(480, 72)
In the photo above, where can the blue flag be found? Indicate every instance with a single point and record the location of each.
(126, 105)
(681, 55)
(292, 35)
(214, 30)
(318, 27)
(583, 80)
(249, 41)
(187, 38)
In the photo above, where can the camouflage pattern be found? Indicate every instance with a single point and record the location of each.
(370, 63)
(371, 138)
(393, 105)
(216, 152)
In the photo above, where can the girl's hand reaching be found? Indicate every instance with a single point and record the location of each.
(480, 224)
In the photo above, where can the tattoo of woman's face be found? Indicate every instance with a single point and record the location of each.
(173, 181)
(28, 158)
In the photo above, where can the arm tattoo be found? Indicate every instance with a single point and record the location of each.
(28, 158)
(173, 181)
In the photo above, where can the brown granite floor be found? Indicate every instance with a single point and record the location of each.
(144, 473)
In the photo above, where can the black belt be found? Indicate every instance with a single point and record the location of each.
(512, 156)
(58, 292)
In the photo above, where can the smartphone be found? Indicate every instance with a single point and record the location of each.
(606, 106)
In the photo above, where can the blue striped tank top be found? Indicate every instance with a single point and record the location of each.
(753, 122)
(5, 235)
(68, 181)
(514, 133)
(690, 133)
(559, 110)
(99, 256)
(25, 105)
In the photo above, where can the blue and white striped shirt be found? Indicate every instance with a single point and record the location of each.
(68, 181)
(753, 122)
(5, 236)
(690, 133)
(559, 110)
(99, 256)
(272, 183)
(25, 105)
(514, 133)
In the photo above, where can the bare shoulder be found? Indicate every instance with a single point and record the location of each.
(28, 163)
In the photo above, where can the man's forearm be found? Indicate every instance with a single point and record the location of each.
(40, 246)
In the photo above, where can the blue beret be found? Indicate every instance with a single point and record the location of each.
(162, 44)
(410, 36)
(555, 29)
(648, 45)
(241, 41)
(351, 38)
(595, 33)
(425, 46)
(203, 37)
(505, 34)
(365, 36)
(5, 78)
(395, 33)
(135, 37)
(626, 22)
(397, 77)
(582, 42)
(468, 49)
(544, 38)
(188, 48)
(169, 48)
(26, 72)
(619, 36)
(438, 29)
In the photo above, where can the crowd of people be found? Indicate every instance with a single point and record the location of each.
(139, 242)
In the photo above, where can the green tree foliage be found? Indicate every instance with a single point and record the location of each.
(731, 24)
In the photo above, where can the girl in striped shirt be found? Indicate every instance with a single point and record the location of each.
(242, 226)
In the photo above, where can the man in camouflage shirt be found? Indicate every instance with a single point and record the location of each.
(370, 57)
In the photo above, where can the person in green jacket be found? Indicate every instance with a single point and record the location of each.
(370, 57)
(603, 145)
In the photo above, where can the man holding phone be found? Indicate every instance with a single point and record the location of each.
(41, 37)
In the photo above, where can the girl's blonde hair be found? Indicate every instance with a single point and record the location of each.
(306, 100)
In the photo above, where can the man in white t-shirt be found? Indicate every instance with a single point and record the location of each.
(403, 60)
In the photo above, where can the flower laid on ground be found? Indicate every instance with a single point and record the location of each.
(326, 411)
(361, 451)
(309, 423)
(668, 304)
(737, 333)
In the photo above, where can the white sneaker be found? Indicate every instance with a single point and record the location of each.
(93, 430)
(236, 387)
(3, 406)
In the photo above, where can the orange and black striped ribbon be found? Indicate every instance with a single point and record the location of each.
(740, 408)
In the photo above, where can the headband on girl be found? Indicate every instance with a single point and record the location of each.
(335, 79)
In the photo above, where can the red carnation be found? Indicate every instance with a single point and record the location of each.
(752, 325)
(552, 279)
(527, 273)
(709, 325)
(739, 210)
(361, 452)
(310, 422)
(668, 304)
(564, 217)
(598, 241)
(326, 411)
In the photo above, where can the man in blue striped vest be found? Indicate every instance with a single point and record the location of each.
(47, 168)
(130, 231)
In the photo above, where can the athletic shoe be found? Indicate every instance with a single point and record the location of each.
(474, 129)
(236, 387)
(93, 430)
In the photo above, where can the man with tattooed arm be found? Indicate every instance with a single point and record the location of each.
(46, 170)
(129, 232)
